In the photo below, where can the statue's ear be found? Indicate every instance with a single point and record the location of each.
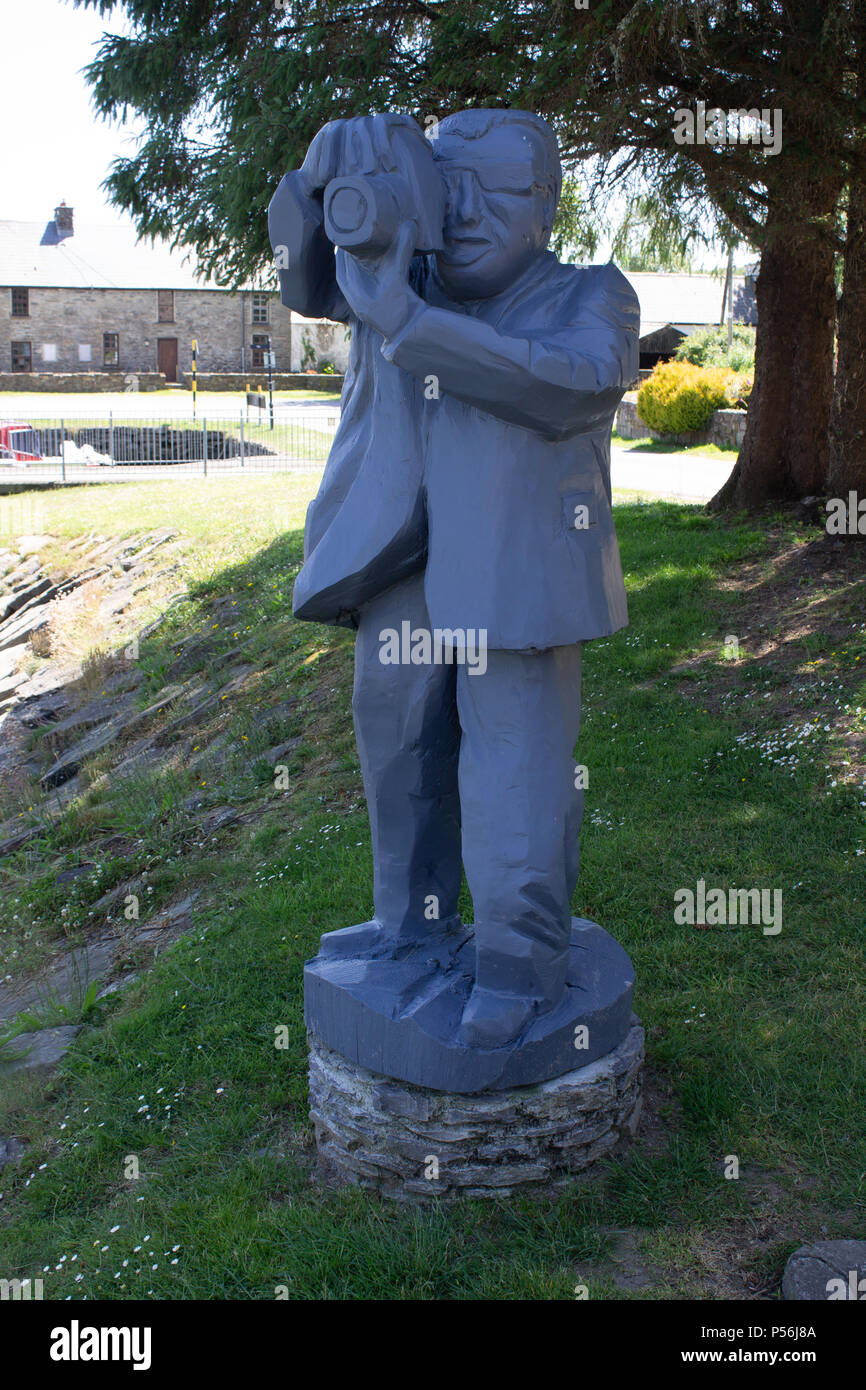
(549, 212)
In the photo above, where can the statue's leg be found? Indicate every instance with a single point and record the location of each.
(574, 817)
(521, 811)
(408, 739)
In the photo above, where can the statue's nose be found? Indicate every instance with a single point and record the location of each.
(464, 202)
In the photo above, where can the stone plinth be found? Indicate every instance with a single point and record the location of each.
(412, 1142)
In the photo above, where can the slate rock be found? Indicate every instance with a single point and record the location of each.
(274, 714)
(159, 539)
(827, 1271)
(13, 835)
(275, 755)
(12, 658)
(113, 896)
(41, 1051)
(21, 572)
(9, 686)
(212, 699)
(23, 625)
(96, 711)
(44, 707)
(381, 1134)
(31, 545)
(21, 597)
(70, 761)
(11, 1151)
(76, 871)
(216, 819)
(102, 736)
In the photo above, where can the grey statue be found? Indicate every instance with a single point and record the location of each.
(463, 527)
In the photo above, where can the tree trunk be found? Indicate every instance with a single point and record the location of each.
(785, 451)
(847, 471)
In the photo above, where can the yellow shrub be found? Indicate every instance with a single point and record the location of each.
(679, 396)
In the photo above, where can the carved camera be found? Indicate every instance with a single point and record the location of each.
(363, 211)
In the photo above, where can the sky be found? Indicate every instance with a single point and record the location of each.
(54, 146)
(61, 149)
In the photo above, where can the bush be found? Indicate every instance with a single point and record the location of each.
(709, 348)
(680, 397)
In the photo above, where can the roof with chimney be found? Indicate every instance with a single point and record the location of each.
(62, 255)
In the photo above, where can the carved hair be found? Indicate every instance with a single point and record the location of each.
(477, 121)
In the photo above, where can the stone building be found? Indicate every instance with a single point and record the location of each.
(95, 300)
(674, 305)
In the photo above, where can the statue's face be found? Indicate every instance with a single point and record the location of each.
(499, 209)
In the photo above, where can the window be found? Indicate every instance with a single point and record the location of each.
(85, 352)
(110, 350)
(261, 308)
(22, 358)
(165, 306)
(20, 304)
(260, 350)
(49, 352)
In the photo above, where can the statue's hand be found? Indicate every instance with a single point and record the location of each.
(350, 145)
(377, 288)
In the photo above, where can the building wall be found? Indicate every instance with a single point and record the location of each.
(66, 318)
(328, 341)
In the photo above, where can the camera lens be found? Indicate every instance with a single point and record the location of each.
(362, 213)
(347, 210)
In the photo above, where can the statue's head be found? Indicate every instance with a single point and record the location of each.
(503, 176)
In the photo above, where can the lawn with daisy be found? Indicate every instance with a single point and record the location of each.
(170, 1156)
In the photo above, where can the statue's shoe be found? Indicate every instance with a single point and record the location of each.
(362, 940)
(372, 939)
(492, 1019)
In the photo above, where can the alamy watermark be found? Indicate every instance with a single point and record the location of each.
(21, 1290)
(21, 516)
(77, 1343)
(731, 907)
(739, 126)
(846, 516)
(443, 646)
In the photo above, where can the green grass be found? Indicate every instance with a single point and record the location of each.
(648, 445)
(222, 520)
(755, 1043)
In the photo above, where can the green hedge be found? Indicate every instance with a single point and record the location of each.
(679, 397)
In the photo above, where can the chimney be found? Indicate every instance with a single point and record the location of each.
(63, 219)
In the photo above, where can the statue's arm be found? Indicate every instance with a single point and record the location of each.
(304, 256)
(558, 383)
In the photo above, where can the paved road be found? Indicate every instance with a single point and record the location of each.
(689, 477)
(686, 477)
(51, 471)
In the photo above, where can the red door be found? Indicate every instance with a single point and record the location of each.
(166, 357)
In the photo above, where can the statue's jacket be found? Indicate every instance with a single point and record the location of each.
(475, 446)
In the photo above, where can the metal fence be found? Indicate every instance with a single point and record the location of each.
(113, 447)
